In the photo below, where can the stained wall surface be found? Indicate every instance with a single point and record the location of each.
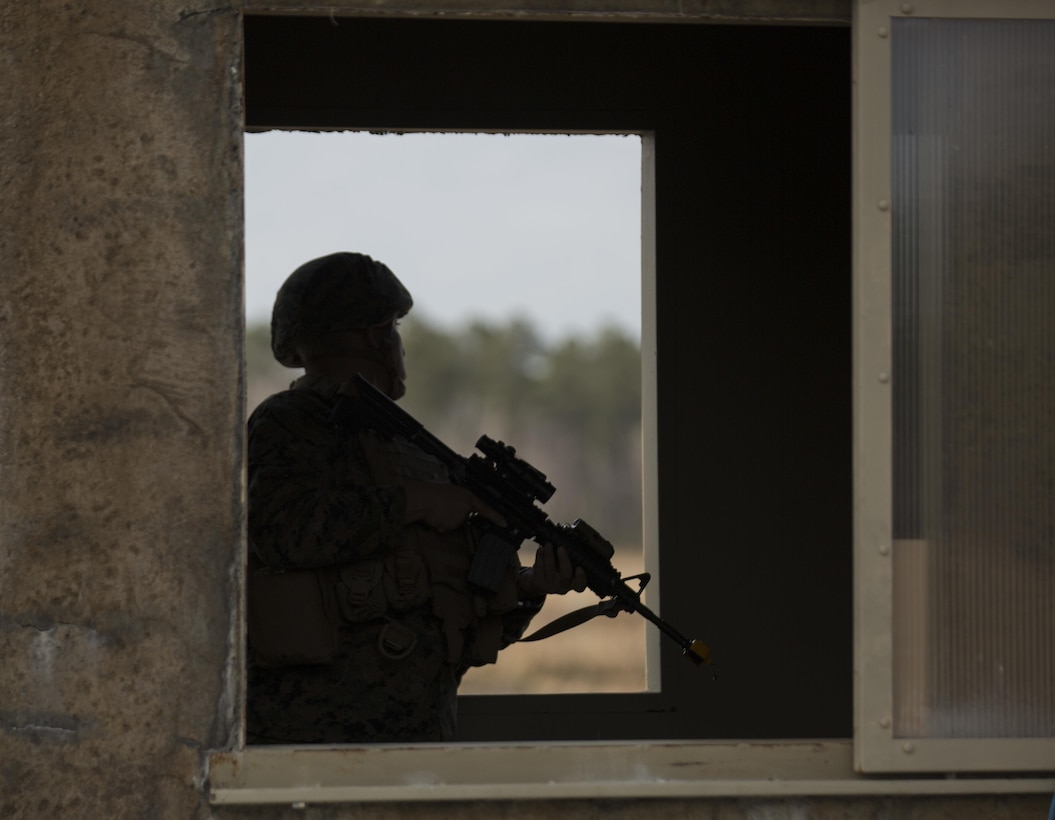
(120, 420)
(121, 489)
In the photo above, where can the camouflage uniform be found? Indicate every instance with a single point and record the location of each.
(320, 498)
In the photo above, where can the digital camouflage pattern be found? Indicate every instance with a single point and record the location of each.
(318, 497)
(362, 697)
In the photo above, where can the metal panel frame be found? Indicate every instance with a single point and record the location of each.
(876, 748)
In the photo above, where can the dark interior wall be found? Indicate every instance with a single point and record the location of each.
(752, 138)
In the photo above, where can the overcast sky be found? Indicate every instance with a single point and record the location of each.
(475, 225)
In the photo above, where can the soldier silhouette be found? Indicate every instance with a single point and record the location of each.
(361, 619)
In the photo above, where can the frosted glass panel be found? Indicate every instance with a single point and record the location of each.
(973, 163)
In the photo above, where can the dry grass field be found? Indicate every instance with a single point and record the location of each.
(602, 655)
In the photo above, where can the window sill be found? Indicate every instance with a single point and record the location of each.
(301, 775)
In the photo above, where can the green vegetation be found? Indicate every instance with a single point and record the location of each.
(572, 409)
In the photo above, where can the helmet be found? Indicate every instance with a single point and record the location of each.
(341, 291)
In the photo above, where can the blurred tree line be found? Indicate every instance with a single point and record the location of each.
(571, 408)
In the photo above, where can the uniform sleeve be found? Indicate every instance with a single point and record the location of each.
(516, 622)
(310, 500)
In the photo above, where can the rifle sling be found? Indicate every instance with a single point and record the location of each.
(609, 608)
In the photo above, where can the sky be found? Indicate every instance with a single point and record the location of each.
(477, 226)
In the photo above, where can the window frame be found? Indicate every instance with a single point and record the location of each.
(642, 769)
(877, 749)
(706, 261)
(298, 776)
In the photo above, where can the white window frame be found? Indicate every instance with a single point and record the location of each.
(876, 747)
(298, 776)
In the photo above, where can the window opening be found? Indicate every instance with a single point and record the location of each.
(745, 340)
(523, 253)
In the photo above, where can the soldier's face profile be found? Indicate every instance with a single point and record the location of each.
(399, 365)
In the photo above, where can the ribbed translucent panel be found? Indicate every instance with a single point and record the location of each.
(973, 161)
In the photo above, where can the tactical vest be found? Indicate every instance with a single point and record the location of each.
(295, 616)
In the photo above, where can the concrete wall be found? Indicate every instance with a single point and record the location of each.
(819, 12)
(120, 418)
(121, 504)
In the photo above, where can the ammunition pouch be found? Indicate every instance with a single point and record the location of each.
(358, 592)
(473, 620)
(376, 588)
(291, 616)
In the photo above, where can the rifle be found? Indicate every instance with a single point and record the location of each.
(512, 486)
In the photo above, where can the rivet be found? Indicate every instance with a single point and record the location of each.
(884, 549)
(906, 8)
(884, 205)
(884, 377)
(883, 32)
(884, 722)
(908, 748)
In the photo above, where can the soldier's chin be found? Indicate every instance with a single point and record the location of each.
(399, 389)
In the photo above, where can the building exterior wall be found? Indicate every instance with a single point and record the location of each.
(120, 419)
(121, 444)
(819, 12)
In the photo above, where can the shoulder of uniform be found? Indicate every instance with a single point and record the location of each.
(347, 413)
(292, 404)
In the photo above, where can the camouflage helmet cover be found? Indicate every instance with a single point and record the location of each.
(341, 291)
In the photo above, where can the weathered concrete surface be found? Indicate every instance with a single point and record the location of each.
(120, 423)
(820, 12)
